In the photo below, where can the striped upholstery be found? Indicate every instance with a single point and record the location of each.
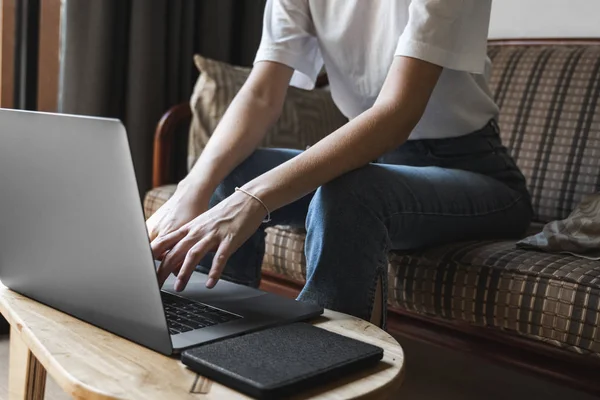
(551, 122)
(284, 252)
(548, 297)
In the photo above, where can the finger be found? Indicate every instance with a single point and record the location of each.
(162, 272)
(152, 234)
(177, 270)
(174, 258)
(164, 243)
(192, 259)
(225, 251)
(162, 256)
(151, 227)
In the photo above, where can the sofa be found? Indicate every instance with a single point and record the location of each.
(536, 311)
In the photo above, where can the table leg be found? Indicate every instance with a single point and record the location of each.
(26, 376)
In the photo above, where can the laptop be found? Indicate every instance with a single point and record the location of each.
(73, 237)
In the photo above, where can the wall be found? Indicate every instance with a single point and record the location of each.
(545, 18)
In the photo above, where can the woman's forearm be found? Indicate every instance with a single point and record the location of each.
(238, 134)
(253, 111)
(350, 147)
(382, 128)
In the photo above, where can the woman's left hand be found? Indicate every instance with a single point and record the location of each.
(223, 229)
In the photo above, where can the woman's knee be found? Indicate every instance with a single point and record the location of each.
(345, 198)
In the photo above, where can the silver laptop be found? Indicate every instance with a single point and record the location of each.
(73, 236)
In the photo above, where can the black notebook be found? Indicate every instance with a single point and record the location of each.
(281, 361)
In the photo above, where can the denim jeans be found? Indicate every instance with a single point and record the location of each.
(424, 193)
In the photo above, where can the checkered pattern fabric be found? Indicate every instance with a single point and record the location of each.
(284, 252)
(548, 297)
(550, 120)
(156, 198)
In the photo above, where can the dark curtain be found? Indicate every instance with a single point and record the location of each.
(132, 59)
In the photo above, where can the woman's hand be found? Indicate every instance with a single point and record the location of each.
(223, 229)
(185, 205)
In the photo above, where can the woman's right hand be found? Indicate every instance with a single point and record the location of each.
(186, 204)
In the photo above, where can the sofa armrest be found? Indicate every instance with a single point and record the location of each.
(164, 139)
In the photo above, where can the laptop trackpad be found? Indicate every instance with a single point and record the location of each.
(224, 291)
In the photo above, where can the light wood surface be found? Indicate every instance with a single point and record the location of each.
(88, 362)
(26, 376)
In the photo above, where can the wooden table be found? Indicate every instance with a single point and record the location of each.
(88, 362)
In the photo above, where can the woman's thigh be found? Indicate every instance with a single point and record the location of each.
(425, 206)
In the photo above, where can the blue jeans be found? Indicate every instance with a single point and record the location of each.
(424, 193)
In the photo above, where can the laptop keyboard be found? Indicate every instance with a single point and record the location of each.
(184, 315)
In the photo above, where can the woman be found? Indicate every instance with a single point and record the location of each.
(411, 77)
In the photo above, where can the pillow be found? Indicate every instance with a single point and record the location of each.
(579, 234)
(307, 116)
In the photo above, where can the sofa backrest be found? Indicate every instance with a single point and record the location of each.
(550, 118)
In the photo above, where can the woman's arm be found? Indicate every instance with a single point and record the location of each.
(382, 128)
(225, 227)
(255, 108)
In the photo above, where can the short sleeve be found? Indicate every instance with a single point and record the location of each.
(289, 38)
(449, 33)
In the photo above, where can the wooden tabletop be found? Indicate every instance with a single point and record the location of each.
(88, 362)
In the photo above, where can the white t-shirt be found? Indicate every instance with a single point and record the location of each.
(357, 40)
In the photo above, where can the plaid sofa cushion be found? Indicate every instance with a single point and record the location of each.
(554, 298)
(284, 252)
(550, 120)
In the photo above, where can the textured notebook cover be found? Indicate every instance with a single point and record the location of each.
(279, 361)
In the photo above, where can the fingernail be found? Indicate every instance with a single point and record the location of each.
(211, 282)
(178, 285)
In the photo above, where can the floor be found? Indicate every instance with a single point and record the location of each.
(432, 373)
